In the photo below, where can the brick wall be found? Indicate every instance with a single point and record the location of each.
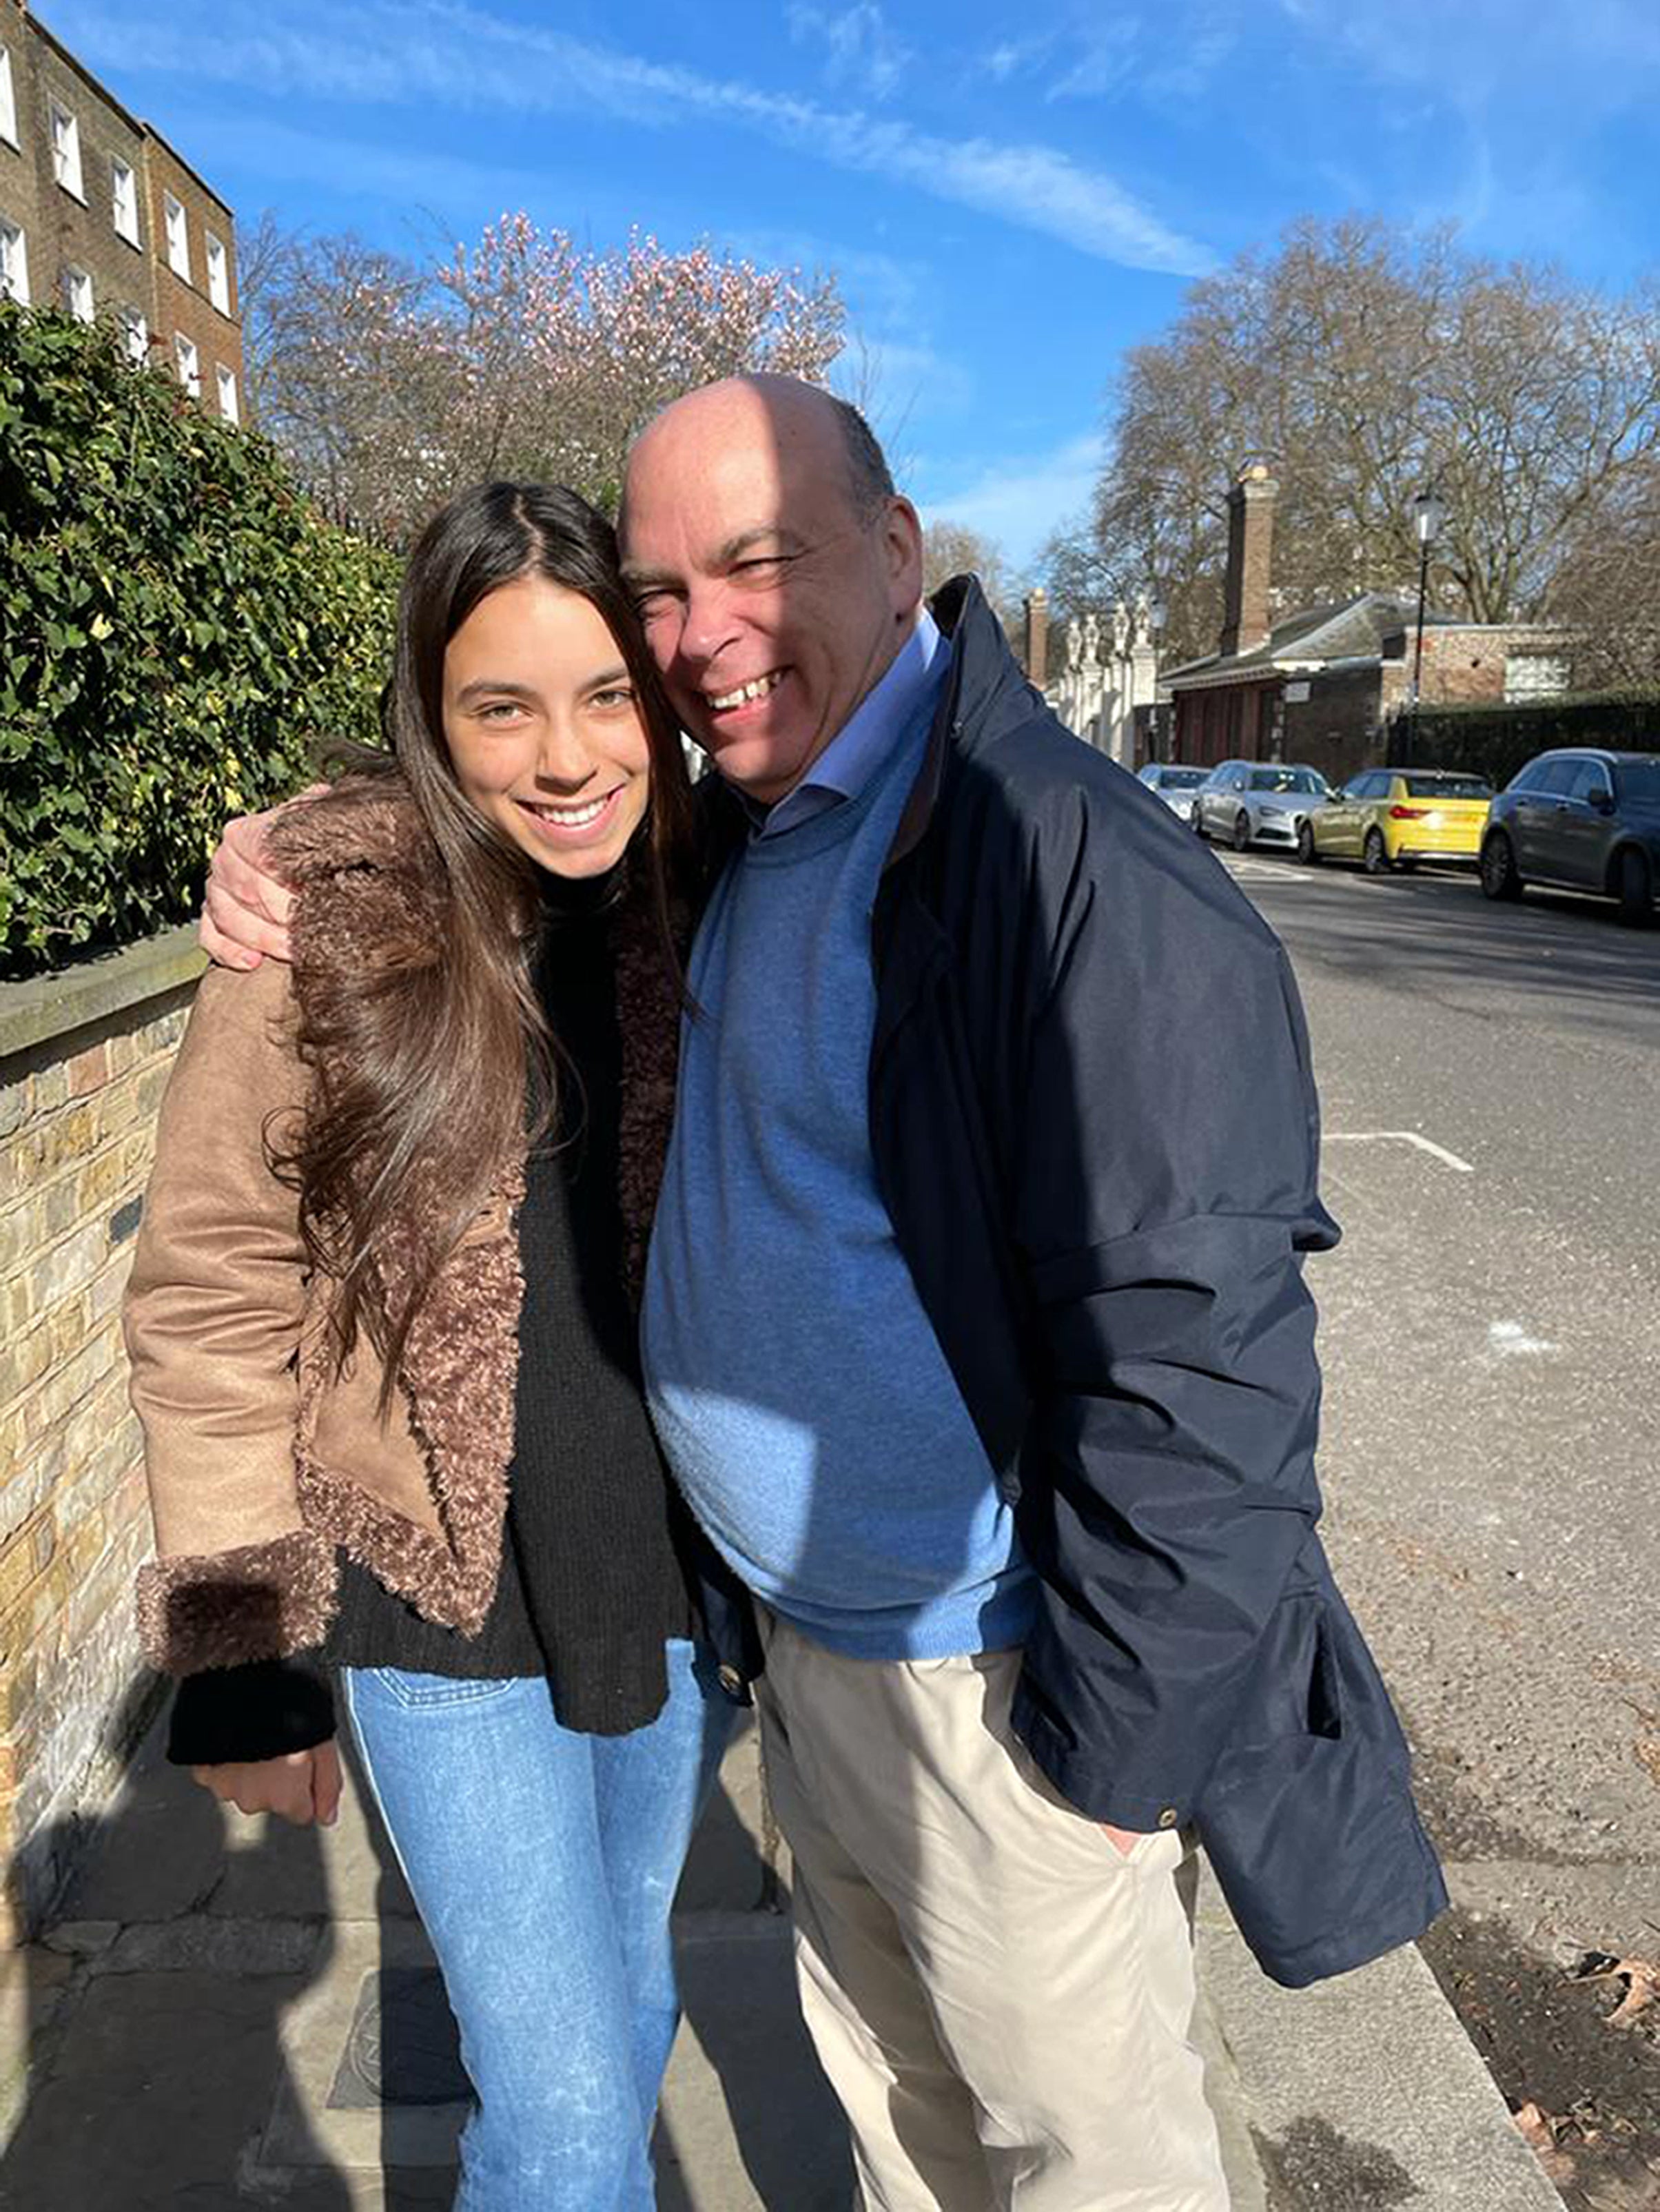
(1335, 728)
(84, 1059)
(61, 230)
(184, 308)
(20, 175)
(83, 231)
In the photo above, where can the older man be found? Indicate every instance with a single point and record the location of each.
(977, 1335)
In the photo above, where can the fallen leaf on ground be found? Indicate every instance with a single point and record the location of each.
(1640, 1976)
(1539, 2131)
(1537, 2127)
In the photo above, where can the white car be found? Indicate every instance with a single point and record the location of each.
(1258, 803)
(1174, 784)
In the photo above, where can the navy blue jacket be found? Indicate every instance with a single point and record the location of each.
(1095, 1128)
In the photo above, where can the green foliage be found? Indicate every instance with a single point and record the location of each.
(178, 630)
(1495, 741)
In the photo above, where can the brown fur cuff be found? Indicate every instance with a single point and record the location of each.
(222, 1609)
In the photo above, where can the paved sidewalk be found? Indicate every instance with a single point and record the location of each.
(236, 2013)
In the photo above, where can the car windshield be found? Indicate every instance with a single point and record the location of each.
(1640, 779)
(1285, 779)
(1447, 786)
(1180, 779)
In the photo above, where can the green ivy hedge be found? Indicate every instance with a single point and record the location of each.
(1496, 740)
(177, 630)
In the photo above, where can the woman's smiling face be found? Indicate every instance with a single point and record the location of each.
(543, 727)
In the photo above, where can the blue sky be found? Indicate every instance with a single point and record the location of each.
(1009, 196)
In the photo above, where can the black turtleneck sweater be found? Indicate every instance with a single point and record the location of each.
(591, 1579)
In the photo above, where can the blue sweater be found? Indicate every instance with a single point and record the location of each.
(798, 1387)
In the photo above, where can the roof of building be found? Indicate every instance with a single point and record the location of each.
(1349, 633)
(1346, 630)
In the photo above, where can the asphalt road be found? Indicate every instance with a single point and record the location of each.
(1491, 1331)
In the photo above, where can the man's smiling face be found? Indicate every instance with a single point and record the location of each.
(772, 598)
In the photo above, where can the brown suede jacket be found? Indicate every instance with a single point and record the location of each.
(263, 1462)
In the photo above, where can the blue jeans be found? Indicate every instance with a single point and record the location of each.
(543, 1864)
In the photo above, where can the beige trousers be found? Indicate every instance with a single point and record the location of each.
(1000, 1998)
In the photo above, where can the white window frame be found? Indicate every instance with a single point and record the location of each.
(13, 262)
(177, 236)
(189, 363)
(8, 100)
(66, 151)
(78, 293)
(218, 274)
(135, 335)
(124, 199)
(230, 407)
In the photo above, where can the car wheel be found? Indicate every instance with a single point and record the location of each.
(1307, 851)
(1499, 877)
(1633, 886)
(1374, 853)
(1241, 830)
(1198, 822)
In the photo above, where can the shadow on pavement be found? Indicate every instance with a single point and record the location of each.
(154, 2020)
(1432, 929)
(225, 2011)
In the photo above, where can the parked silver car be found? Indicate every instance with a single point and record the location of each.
(1258, 802)
(1174, 784)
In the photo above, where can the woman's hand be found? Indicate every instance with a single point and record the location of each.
(303, 1786)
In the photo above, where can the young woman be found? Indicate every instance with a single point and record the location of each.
(382, 1322)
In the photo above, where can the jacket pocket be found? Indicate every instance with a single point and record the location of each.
(440, 1693)
(1307, 1817)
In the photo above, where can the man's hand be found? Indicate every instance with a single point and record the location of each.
(244, 916)
(303, 1786)
(1125, 1839)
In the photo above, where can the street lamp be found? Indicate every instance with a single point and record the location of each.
(1428, 514)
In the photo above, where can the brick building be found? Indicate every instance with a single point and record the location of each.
(1325, 686)
(99, 215)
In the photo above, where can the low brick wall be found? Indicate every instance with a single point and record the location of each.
(84, 1059)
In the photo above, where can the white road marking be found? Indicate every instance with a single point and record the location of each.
(1400, 1137)
(1264, 872)
(1509, 1340)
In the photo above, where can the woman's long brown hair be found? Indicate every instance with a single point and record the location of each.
(429, 1064)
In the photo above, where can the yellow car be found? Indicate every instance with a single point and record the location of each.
(1394, 817)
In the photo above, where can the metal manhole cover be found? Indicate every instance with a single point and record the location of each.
(401, 2048)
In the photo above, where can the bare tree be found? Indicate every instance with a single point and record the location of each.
(1608, 588)
(1364, 361)
(952, 549)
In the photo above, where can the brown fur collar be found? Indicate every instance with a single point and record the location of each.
(370, 889)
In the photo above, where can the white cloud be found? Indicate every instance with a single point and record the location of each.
(1110, 55)
(447, 52)
(859, 46)
(1018, 501)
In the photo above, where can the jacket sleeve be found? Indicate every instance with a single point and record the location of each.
(213, 1316)
(1165, 1197)
(263, 1709)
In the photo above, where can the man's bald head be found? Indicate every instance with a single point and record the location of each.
(774, 566)
(793, 406)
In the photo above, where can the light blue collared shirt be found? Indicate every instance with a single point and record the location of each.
(865, 739)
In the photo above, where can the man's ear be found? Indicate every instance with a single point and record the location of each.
(902, 542)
